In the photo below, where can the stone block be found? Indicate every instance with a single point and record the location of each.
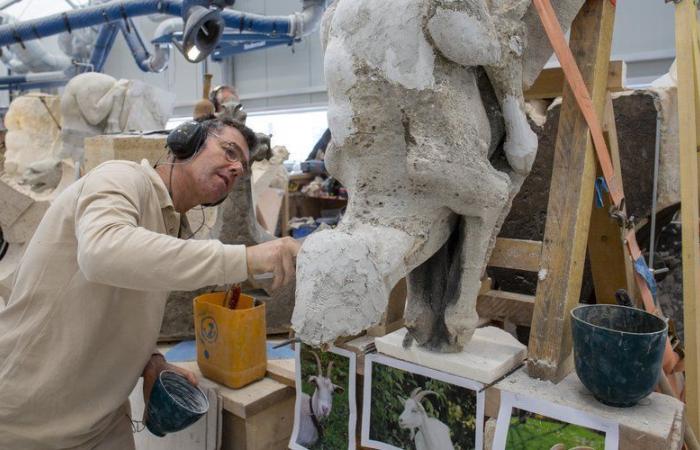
(655, 423)
(130, 147)
(490, 354)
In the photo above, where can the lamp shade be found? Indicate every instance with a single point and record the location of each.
(203, 29)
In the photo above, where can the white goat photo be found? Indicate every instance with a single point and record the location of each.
(427, 432)
(411, 407)
(325, 407)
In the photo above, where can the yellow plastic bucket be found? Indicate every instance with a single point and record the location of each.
(231, 345)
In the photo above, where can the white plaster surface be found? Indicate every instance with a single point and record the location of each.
(490, 354)
(411, 137)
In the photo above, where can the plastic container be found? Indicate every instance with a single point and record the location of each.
(231, 343)
(174, 404)
(618, 352)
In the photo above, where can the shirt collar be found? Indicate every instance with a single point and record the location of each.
(160, 187)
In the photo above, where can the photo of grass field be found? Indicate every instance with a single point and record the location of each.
(530, 431)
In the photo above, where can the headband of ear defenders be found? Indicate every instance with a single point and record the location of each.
(185, 140)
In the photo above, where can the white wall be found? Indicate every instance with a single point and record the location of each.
(644, 37)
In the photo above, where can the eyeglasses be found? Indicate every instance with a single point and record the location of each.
(232, 151)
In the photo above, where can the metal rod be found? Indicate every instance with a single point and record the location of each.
(652, 240)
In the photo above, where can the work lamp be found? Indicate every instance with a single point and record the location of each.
(203, 29)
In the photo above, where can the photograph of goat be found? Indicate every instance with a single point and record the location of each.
(526, 423)
(406, 406)
(326, 411)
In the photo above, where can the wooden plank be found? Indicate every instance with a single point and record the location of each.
(550, 83)
(267, 430)
(282, 371)
(686, 57)
(570, 200)
(516, 254)
(506, 306)
(249, 400)
(610, 266)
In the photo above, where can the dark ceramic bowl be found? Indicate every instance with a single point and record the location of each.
(618, 351)
(174, 404)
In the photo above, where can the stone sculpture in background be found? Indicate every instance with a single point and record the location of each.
(414, 121)
(32, 175)
(95, 103)
(33, 140)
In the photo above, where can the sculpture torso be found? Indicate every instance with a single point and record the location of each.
(400, 113)
(410, 141)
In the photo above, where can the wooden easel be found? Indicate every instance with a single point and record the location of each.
(688, 66)
(572, 226)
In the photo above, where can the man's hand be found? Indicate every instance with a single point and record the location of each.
(277, 257)
(154, 367)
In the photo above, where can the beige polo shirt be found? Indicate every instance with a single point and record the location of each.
(88, 301)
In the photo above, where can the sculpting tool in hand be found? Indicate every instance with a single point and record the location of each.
(232, 297)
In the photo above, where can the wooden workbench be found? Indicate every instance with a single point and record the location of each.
(259, 416)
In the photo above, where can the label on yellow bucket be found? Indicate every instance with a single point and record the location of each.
(231, 346)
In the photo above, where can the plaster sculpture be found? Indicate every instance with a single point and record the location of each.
(95, 103)
(412, 135)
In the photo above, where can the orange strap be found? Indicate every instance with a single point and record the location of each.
(575, 80)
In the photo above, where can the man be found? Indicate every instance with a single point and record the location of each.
(223, 94)
(83, 318)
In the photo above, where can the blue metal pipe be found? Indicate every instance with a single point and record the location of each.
(269, 25)
(86, 17)
(122, 10)
(136, 45)
(103, 44)
(231, 48)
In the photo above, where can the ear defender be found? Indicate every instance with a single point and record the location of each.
(186, 140)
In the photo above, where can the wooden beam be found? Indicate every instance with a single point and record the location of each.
(516, 254)
(610, 266)
(686, 33)
(570, 199)
(550, 83)
(506, 306)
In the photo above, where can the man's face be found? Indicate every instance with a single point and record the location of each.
(224, 96)
(223, 158)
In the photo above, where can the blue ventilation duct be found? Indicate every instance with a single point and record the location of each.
(253, 32)
(103, 44)
(295, 25)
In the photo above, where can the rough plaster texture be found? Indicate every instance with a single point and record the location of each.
(33, 133)
(95, 103)
(490, 354)
(411, 142)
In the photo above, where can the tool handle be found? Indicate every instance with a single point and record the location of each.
(233, 295)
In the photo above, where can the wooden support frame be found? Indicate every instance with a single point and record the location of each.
(611, 267)
(570, 200)
(688, 66)
(550, 83)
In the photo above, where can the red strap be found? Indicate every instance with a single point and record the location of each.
(583, 99)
